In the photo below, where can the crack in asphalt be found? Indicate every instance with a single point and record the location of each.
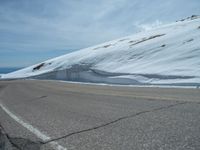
(24, 144)
(4, 140)
(17, 143)
(13, 144)
(114, 121)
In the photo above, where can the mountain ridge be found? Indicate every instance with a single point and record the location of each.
(169, 54)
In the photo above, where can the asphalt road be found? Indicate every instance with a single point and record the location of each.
(55, 115)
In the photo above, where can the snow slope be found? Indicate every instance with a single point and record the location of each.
(169, 55)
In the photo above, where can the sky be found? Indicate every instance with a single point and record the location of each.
(32, 31)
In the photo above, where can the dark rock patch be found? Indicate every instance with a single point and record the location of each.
(146, 39)
(122, 40)
(105, 46)
(132, 41)
(163, 45)
(190, 40)
(190, 18)
(38, 67)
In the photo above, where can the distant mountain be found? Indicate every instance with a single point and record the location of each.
(168, 55)
(4, 70)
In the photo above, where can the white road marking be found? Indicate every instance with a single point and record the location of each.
(32, 129)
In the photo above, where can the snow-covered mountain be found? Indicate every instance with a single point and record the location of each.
(169, 54)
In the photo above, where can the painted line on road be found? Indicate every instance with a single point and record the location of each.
(32, 129)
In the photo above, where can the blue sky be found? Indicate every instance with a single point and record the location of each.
(35, 30)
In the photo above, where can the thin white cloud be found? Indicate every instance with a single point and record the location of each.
(149, 26)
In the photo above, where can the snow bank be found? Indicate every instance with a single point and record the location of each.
(167, 55)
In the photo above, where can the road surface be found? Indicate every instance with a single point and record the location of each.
(54, 115)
